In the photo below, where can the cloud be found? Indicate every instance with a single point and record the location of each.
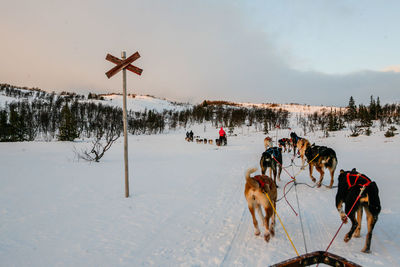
(191, 51)
(395, 68)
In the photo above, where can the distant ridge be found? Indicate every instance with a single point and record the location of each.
(137, 102)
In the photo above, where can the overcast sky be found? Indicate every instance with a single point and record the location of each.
(308, 52)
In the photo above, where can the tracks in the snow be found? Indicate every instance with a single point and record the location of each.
(232, 247)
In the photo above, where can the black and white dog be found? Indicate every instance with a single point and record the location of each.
(320, 157)
(349, 187)
(267, 161)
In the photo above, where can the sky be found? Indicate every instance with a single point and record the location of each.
(262, 51)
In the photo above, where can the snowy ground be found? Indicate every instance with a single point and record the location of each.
(139, 103)
(186, 206)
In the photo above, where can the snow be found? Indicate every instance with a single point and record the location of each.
(295, 108)
(186, 206)
(140, 103)
(5, 100)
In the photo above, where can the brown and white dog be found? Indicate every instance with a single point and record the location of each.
(302, 145)
(255, 189)
(267, 142)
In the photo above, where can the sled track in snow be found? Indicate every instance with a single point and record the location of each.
(238, 231)
(382, 244)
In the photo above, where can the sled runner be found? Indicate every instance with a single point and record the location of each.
(315, 258)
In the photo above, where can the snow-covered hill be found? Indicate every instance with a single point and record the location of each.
(134, 102)
(140, 103)
(296, 108)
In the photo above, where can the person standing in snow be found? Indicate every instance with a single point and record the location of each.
(222, 136)
(191, 135)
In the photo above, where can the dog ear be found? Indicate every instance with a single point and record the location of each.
(354, 170)
(341, 171)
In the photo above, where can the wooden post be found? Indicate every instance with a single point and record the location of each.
(124, 64)
(125, 129)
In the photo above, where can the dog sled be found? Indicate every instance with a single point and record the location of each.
(315, 258)
(221, 141)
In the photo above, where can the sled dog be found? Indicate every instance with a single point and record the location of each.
(267, 142)
(294, 139)
(321, 157)
(255, 192)
(267, 161)
(285, 144)
(350, 184)
(302, 145)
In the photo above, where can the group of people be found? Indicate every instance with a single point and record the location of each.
(189, 136)
(220, 141)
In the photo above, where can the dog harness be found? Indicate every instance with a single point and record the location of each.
(273, 151)
(283, 141)
(358, 175)
(261, 181)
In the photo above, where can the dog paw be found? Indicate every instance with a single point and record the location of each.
(347, 238)
(356, 234)
(366, 250)
(257, 232)
(318, 185)
(272, 231)
(267, 237)
(343, 217)
(313, 179)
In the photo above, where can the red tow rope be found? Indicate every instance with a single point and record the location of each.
(284, 188)
(347, 215)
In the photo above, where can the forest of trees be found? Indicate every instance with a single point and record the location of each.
(357, 119)
(69, 116)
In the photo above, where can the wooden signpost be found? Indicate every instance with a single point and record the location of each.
(124, 64)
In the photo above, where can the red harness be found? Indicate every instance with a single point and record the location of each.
(358, 175)
(261, 181)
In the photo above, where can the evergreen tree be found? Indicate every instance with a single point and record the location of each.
(378, 108)
(372, 109)
(68, 129)
(332, 122)
(15, 124)
(351, 109)
(5, 130)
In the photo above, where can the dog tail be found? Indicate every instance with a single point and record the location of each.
(250, 171)
(330, 161)
(249, 179)
(334, 163)
(374, 201)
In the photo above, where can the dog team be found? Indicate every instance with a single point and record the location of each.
(261, 190)
(221, 141)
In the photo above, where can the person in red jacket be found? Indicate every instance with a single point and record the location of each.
(222, 136)
(222, 132)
